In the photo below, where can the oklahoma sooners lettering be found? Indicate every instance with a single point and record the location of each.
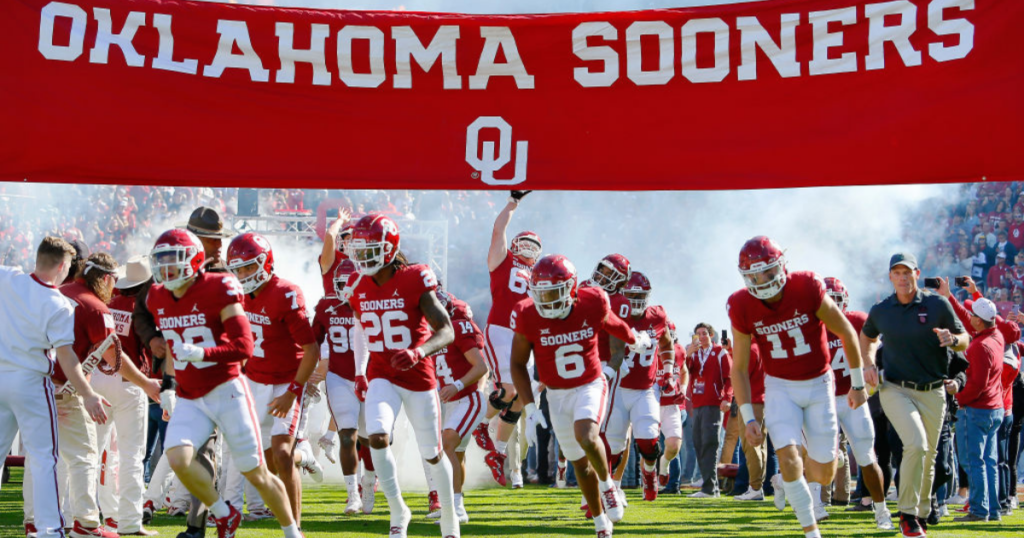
(784, 326)
(559, 339)
(182, 322)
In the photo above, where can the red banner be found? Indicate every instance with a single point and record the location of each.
(779, 93)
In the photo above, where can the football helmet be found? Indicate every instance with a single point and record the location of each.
(763, 266)
(176, 258)
(526, 245)
(374, 243)
(838, 292)
(638, 291)
(345, 237)
(446, 301)
(250, 249)
(671, 327)
(611, 272)
(553, 286)
(343, 276)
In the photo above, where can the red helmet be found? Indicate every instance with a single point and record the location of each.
(638, 291)
(763, 266)
(345, 235)
(671, 327)
(837, 291)
(343, 275)
(374, 243)
(526, 245)
(176, 258)
(446, 299)
(611, 272)
(249, 249)
(553, 286)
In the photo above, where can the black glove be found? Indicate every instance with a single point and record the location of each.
(518, 195)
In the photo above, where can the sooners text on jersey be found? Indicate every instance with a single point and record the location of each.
(450, 363)
(392, 321)
(509, 284)
(792, 340)
(280, 327)
(565, 350)
(195, 319)
(840, 366)
(638, 371)
(335, 321)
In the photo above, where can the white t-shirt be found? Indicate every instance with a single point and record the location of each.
(35, 318)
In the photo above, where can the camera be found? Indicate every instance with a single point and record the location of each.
(932, 283)
(960, 281)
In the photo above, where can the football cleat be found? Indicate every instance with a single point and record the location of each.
(226, 526)
(434, 502)
(663, 480)
(211, 521)
(780, 492)
(148, 509)
(751, 495)
(586, 510)
(78, 531)
(613, 504)
(496, 462)
(883, 520)
(313, 467)
(110, 524)
(367, 489)
(258, 514)
(517, 480)
(400, 522)
(650, 485)
(820, 514)
(702, 495)
(176, 510)
(482, 436)
(354, 505)
(30, 531)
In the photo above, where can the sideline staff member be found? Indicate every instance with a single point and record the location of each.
(918, 326)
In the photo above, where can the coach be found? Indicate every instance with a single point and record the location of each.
(917, 326)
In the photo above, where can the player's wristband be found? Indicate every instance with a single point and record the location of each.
(512, 200)
(168, 382)
(747, 412)
(295, 389)
(459, 385)
(857, 378)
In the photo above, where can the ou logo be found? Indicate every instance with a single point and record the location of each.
(487, 162)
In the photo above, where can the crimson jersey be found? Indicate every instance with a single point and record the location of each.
(840, 366)
(565, 350)
(509, 284)
(195, 319)
(93, 323)
(620, 307)
(280, 327)
(680, 356)
(638, 370)
(121, 308)
(450, 363)
(792, 340)
(328, 277)
(391, 319)
(335, 321)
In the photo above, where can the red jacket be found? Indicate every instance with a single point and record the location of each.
(710, 384)
(984, 388)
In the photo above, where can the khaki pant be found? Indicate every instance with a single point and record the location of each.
(917, 418)
(840, 487)
(733, 432)
(76, 442)
(757, 455)
(120, 494)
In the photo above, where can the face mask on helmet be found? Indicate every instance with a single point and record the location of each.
(552, 300)
(608, 277)
(637, 301)
(250, 273)
(526, 247)
(340, 282)
(369, 257)
(765, 281)
(839, 299)
(172, 265)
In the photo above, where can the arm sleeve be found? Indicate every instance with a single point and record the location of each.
(870, 329)
(975, 377)
(299, 328)
(239, 345)
(319, 330)
(1009, 329)
(359, 349)
(962, 314)
(726, 364)
(145, 324)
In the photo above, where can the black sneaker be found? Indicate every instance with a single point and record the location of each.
(909, 526)
(193, 532)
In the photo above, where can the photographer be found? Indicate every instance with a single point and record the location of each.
(918, 326)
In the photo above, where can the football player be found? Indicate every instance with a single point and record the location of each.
(335, 323)
(670, 397)
(460, 369)
(509, 269)
(200, 315)
(404, 324)
(787, 314)
(634, 402)
(856, 423)
(284, 355)
(560, 324)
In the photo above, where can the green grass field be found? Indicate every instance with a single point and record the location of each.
(540, 511)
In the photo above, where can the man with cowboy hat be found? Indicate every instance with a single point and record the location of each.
(121, 500)
(208, 226)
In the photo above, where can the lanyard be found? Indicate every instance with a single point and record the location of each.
(703, 356)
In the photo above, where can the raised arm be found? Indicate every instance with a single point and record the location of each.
(499, 235)
(327, 255)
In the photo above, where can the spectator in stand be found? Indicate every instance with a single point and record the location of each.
(986, 243)
(711, 387)
(964, 260)
(1002, 300)
(1016, 229)
(1005, 246)
(997, 274)
(979, 263)
(971, 219)
(983, 399)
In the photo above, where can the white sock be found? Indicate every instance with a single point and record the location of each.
(330, 435)
(664, 466)
(501, 446)
(384, 463)
(292, 531)
(350, 484)
(618, 484)
(815, 492)
(460, 502)
(442, 472)
(562, 464)
(813, 534)
(649, 467)
(879, 507)
(799, 496)
(430, 477)
(606, 484)
(220, 509)
(602, 523)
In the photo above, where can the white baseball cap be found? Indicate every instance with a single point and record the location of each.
(984, 309)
